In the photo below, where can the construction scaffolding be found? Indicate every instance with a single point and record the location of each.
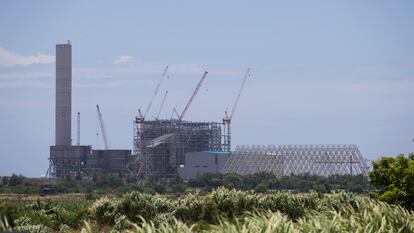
(284, 160)
(84, 161)
(160, 145)
(67, 160)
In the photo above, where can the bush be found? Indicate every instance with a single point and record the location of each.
(12, 210)
(104, 210)
(293, 206)
(232, 202)
(137, 204)
(122, 223)
(189, 208)
(15, 180)
(395, 178)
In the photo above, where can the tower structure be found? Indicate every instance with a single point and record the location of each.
(67, 160)
(63, 105)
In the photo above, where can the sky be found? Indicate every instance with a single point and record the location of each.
(322, 72)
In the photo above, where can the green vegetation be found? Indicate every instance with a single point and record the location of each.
(219, 203)
(44, 214)
(260, 182)
(221, 210)
(395, 179)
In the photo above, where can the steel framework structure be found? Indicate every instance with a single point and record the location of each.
(160, 145)
(283, 160)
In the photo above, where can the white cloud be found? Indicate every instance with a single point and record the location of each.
(8, 58)
(125, 59)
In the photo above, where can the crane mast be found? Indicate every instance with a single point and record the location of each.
(227, 118)
(193, 95)
(156, 90)
(78, 130)
(102, 126)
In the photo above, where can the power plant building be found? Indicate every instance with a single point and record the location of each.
(77, 160)
(161, 145)
(165, 149)
(63, 94)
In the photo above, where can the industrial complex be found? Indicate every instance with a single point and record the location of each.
(166, 148)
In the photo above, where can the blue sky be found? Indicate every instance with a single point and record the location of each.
(322, 71)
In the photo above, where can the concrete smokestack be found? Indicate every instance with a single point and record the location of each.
(63, 94)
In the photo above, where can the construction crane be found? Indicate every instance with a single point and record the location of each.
(78, 130)
(193, 95)
(162, 104)
(163, 75)
(102, 126)
(174, 111)
(227, 119)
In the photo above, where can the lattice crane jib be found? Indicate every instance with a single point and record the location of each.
(157, 88)
(192, 96)
(102, 126)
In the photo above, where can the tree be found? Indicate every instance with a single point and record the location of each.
(261, 187)
(15, 180)
(395, 179)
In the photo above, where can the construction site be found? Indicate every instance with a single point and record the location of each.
(166, 148)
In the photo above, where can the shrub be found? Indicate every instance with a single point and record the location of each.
(261, 187)
(137, 204)
(233, 202)
(26, 225)
(189, 208)
(292, 205)
(104, 210)
(162, 204)
(11, 210)
(122, 223)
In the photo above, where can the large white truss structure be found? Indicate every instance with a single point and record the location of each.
(283, 160)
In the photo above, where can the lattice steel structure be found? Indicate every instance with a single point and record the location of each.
(160, 145)
(283, 160)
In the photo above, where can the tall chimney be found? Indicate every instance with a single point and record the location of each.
(63, 94)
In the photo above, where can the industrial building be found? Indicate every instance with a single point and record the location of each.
(77, 160)
(161, 145)
(166, 148)
(284, 160)
(198, 163)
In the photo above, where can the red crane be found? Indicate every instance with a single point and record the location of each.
(193, 95)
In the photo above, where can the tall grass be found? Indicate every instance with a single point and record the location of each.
(222, 210)
(366, 216)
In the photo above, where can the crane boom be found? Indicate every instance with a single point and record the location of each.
(193, 95)
(239, 94)
(101, 124)
(162, 104)
(156, 90)
(227, 118)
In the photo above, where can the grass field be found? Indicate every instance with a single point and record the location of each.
(222, 210)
